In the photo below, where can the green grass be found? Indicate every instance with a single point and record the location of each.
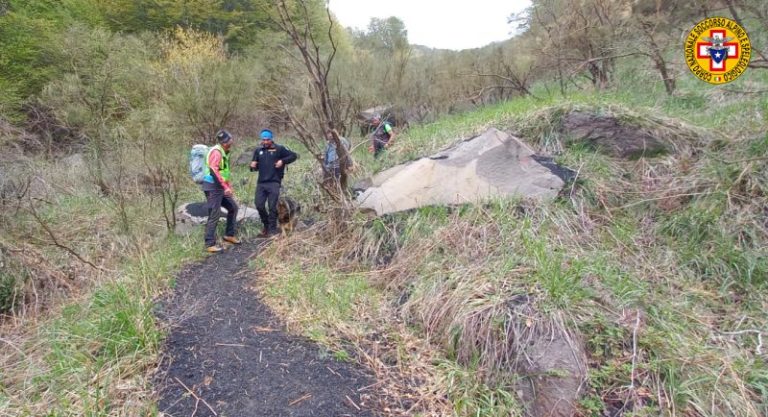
(322, 297)
(94, 358)
(11, 285)
(692, 267)
(471, 397)
(696, 272)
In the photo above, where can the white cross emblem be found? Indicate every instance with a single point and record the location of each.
(717, 36)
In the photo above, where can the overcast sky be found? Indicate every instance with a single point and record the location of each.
(448, 24)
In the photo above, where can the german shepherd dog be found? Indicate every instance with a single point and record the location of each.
(287, 214)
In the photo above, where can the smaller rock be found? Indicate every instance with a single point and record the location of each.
(557, 371)
(611, 136)
(197, 213)
(75, 162)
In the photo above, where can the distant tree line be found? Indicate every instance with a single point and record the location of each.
(52, 49)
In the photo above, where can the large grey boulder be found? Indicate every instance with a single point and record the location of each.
(493, 164)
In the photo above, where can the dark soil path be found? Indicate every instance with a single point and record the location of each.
(226, 353)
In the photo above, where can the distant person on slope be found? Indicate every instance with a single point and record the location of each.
(331, 161)
(383, 136)
(218, 192)
(270, 160)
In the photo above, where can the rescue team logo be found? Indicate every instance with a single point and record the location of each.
(717, 50)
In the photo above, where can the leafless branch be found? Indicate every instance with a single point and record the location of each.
(197, 398)
(318, 68)
(515, 82)
(55, 241)
(759, 348)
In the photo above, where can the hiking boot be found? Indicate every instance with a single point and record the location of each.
(232, 239)
(214, 249)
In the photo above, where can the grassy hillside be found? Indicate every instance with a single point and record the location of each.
(651, 268)
(658, 265)
(83, 284)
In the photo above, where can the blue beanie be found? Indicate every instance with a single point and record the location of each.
(266, 134)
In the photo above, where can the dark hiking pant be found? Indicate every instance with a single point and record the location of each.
(215, 201)
(331, 175)
(267, 194)
(378, 148)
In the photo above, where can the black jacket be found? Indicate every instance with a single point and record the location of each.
(266, 159)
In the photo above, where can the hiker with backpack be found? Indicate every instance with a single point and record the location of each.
(217, 187)
(269, 160)
(383, 135)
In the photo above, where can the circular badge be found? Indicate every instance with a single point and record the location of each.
(717, 50)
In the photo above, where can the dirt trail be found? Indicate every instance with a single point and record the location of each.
(226, 347)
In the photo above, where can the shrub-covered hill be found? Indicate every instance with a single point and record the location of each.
(646, 277)
(650, 268)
